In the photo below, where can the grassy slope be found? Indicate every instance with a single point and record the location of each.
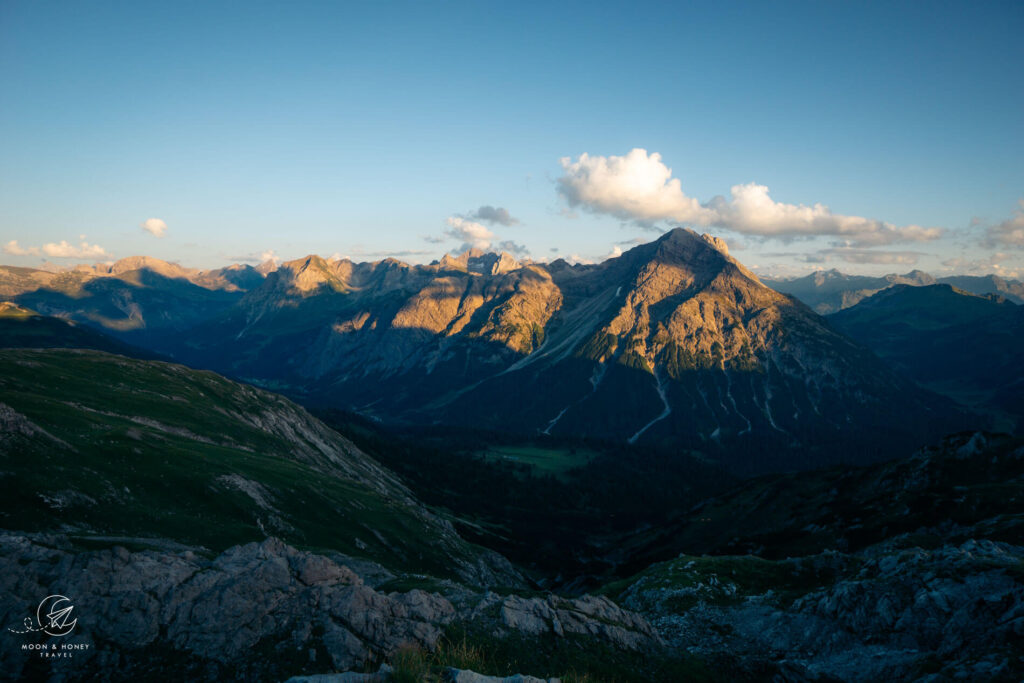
(148, 449)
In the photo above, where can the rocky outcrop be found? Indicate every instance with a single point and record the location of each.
(265, 597)
(588, 615)
(890, 613)
(261, 610)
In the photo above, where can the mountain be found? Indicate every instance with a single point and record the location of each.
(1012, 290)
(908, 570)
(961, 344)
(138, 299)
(831, 291)
(110, 449)
(708, 357)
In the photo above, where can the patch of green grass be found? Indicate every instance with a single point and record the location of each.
(555, 462)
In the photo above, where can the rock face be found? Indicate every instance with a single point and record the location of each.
(260, 611)
(221, 612)
(593, 616)
(709, 357)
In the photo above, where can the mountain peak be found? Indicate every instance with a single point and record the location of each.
(130, 263)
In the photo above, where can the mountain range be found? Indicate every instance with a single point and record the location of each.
(829, 291)
(710, 358)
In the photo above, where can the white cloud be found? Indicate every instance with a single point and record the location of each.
(1009, 233)
(83, 251)
(750, 209)
(472, 234)
(638, 187)
(15, 249)
(635, 187)
(154, 226)
(60, 249)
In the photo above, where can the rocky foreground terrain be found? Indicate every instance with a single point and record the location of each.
(262, 610)
(910, 570)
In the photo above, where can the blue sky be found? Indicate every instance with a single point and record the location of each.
(365, 129)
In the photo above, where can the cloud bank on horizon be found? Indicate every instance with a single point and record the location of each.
(638, 187)
(61, 250)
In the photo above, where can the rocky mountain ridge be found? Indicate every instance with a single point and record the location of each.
(263, 611)
(707, 353)
(711, 359)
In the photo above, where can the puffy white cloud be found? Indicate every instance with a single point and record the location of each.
(472, 234)
(1009, 233)
(638, 187)
(635, 187)
(15, 249)
(83, 251)
(750, 209)
(154, 226)
(492, 215)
